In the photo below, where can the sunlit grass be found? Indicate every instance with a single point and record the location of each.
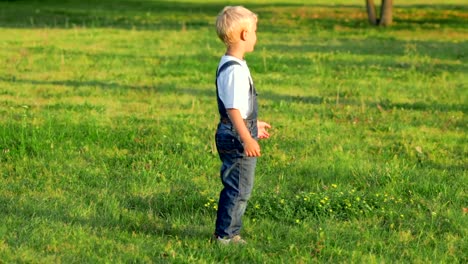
(107, 119)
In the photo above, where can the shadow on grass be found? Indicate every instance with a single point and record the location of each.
(158, 14)
(137, 220)
(166, 14)
(381, 46)
(170, 88)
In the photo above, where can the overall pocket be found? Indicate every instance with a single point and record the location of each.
(227, 143)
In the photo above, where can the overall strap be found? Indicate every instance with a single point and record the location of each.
(225, 66)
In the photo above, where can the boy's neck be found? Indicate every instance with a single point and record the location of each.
(237, 53)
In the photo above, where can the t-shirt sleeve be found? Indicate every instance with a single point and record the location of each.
(233, 87)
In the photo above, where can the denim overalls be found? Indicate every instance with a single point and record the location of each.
(237, 170)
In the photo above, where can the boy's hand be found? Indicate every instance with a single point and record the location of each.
(262, 129)
(252, 148)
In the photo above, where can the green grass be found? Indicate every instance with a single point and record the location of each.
(107, 117)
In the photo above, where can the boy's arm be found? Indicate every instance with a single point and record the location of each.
(251, 146)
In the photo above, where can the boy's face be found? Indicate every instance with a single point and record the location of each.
(251, 38)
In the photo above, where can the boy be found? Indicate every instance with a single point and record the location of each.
(238, 129)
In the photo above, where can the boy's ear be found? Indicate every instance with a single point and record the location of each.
(243, 35)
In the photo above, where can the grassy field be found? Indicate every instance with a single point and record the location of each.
(108, 112)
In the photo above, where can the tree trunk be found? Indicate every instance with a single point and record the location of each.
(371, 12)
(386, 10)
(386, 13)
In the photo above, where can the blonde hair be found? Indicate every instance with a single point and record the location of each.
(232, 20)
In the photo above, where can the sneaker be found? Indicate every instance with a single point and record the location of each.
(236, 240)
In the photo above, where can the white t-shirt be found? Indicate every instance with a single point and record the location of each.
(234, 86)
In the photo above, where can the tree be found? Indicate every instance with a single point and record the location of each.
(386, 9)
